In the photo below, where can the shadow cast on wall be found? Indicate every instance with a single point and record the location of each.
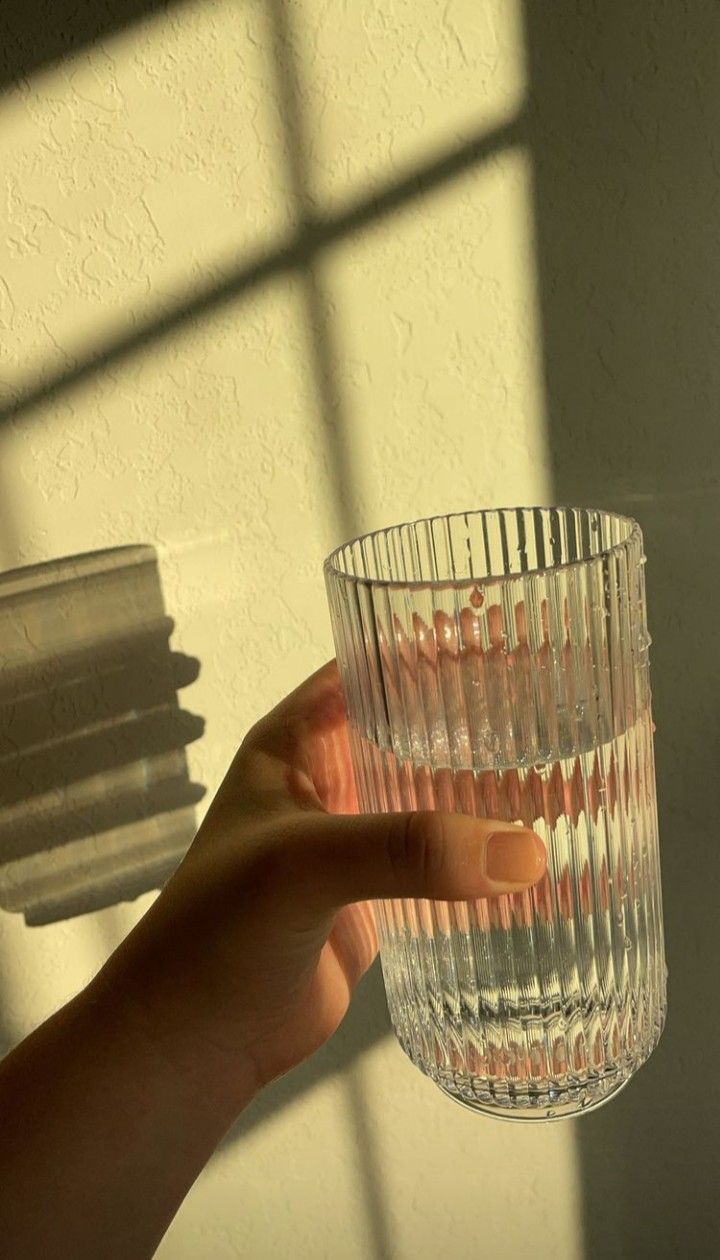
(366, 1023)
(625, 137)
(96, 804)
(35, 34)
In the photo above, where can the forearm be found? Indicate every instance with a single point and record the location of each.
(101, 1133)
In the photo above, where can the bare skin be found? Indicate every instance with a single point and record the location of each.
(244, 966)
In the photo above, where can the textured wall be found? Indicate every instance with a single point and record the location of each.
(268, 279)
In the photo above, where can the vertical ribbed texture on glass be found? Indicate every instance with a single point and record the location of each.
(496, 664)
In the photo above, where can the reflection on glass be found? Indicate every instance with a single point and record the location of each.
(496, 664)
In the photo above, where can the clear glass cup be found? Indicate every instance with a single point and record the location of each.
(495, 663)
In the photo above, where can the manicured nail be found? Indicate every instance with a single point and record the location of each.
(514, 857)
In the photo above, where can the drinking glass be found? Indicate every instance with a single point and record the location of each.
(495, 663)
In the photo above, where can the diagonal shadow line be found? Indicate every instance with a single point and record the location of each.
(316, 234)
(38, 34)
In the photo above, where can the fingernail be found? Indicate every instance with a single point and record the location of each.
(514, 857)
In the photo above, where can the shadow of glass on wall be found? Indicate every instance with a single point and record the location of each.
(625, 136)
(96, 803)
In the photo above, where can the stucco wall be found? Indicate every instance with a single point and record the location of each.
(268, 279)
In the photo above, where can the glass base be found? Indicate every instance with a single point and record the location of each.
(554, 1105)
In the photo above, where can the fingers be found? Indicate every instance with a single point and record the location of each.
(317, 700)
(334, 859)
(301, 748)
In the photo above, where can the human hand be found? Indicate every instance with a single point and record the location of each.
(247, 961)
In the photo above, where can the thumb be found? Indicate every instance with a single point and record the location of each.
(341, 858)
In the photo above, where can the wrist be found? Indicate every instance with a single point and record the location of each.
(164, 1042)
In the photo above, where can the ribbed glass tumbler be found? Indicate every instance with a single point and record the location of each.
(495, 663)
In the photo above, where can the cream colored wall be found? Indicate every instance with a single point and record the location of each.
(140, 174)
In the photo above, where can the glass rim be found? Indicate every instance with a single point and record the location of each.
(330, 567)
